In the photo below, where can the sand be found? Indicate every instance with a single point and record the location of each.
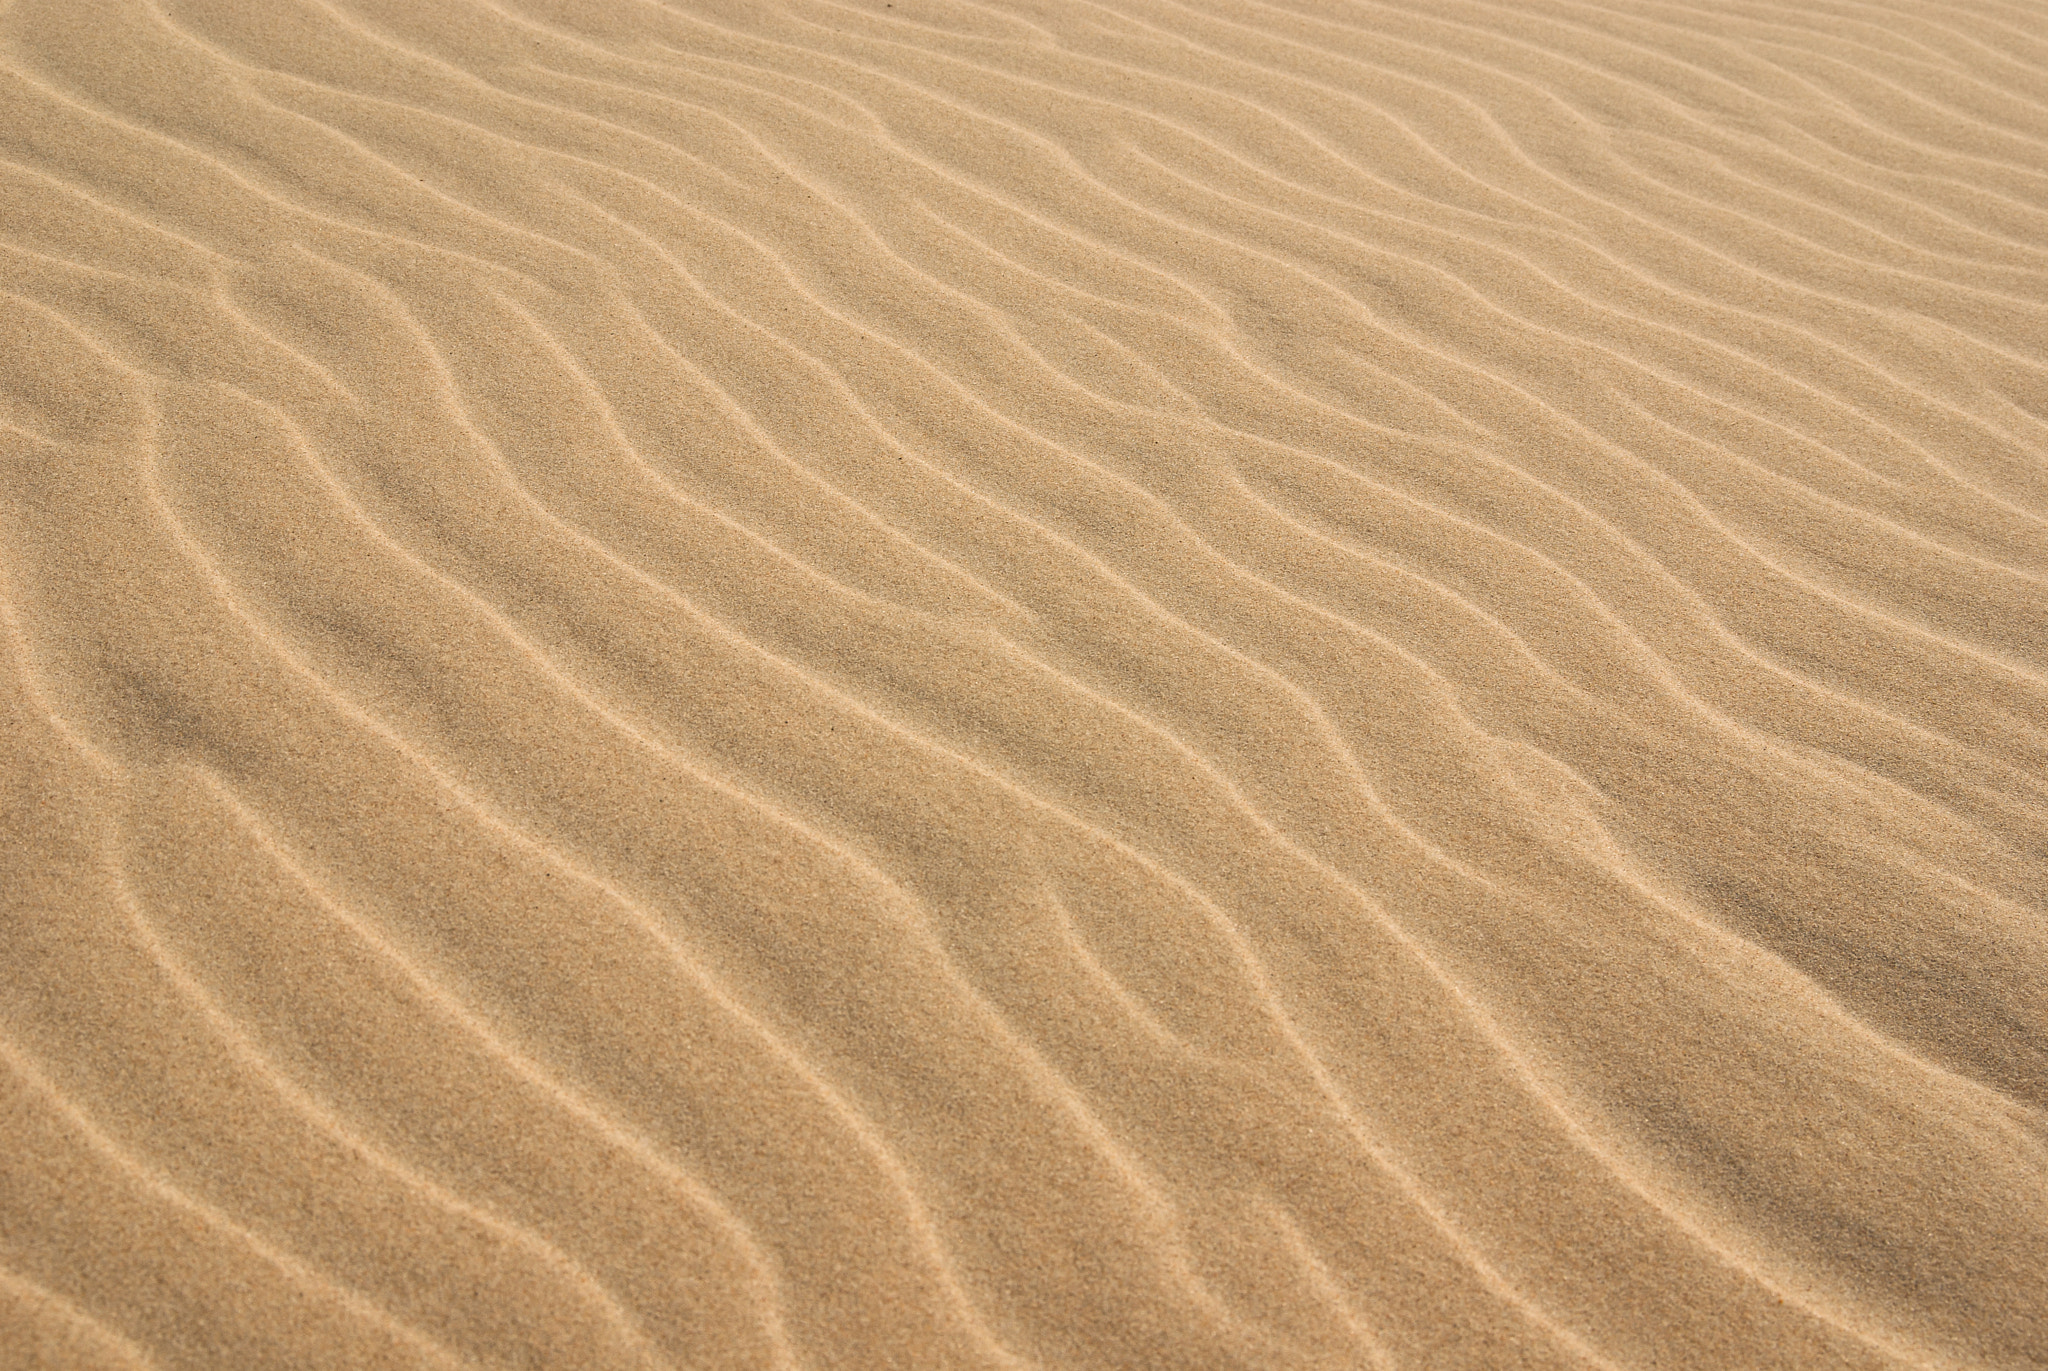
(1144, 684)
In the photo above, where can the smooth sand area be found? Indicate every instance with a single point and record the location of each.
(1043, 684)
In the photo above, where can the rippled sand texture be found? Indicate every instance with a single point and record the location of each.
(1045, 684)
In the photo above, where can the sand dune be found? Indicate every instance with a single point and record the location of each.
(1230, 683)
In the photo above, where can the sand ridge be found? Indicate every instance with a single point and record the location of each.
(920, 683)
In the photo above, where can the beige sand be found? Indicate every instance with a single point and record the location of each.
(701, 683)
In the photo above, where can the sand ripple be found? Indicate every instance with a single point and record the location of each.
(1046, 684)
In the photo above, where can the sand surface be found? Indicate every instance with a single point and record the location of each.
(706, 683)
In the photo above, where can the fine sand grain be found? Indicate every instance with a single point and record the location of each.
(1054, 683)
